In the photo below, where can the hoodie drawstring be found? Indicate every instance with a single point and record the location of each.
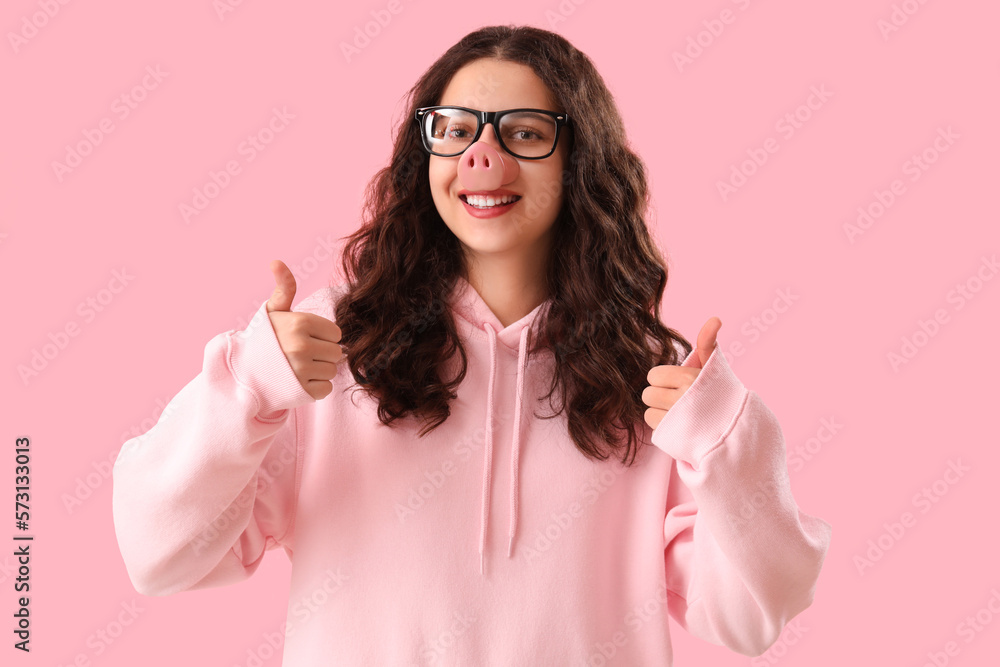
(522, 360)
(488, 457)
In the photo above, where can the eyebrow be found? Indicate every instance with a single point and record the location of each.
(504, 109)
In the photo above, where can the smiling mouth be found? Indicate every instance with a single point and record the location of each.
(486, 202)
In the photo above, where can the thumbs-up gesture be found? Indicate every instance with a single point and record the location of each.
(309, 341)
(668, 383)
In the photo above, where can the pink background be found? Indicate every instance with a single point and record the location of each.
(826, 357)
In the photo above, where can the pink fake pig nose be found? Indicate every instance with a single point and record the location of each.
(481, 167)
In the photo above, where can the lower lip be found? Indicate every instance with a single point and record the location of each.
(491, 212)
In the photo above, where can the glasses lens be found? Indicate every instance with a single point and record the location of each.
(449, 131)
(527, 134)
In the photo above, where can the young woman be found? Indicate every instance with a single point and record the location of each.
(389, 432)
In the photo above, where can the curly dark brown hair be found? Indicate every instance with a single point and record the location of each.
(605, 275)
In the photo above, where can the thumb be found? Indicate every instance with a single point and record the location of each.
(706, 339)
(284, 291)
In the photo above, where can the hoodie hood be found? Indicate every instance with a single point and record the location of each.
(475, 319)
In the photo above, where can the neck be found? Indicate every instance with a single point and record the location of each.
(511, 288)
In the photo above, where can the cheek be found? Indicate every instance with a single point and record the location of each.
(440, 174)
(551, 190)
(440, 179)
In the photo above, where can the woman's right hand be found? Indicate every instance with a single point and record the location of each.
(309, 341)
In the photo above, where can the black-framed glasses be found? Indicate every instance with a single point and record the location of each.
(529, 134)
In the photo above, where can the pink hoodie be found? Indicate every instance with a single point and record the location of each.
(396, 541)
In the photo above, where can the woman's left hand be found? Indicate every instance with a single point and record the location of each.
(668, 383)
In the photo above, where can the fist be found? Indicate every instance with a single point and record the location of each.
(668, 383)
(310, 342)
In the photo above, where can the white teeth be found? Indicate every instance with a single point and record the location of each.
(484, 201)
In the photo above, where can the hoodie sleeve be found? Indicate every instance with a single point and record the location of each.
(741, 559)
(199, 497)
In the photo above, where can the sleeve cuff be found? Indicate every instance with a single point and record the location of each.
(705, 414)
(258, 363)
